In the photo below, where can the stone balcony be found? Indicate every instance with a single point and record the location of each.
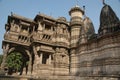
(11, 36)
(17, 38)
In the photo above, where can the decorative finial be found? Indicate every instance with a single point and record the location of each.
(84, 11)
(84, 8)
(11, 13)
(104, 2)
(77, 2)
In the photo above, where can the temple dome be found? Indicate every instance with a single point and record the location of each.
(76, 8)
(87, 31)
(107, 18)
(76, 14)
(88, 26)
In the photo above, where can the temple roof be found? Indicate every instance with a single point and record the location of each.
(107, 17)
(40, 15)
(21, 18)
(88, 25)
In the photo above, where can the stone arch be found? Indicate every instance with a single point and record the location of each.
(25, 56)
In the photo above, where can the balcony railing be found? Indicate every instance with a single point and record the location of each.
(17, 38)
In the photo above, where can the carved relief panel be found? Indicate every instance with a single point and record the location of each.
(62, 34)
(14, 26)
(61, 56)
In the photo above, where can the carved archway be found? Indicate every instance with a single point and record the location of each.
(25, 59)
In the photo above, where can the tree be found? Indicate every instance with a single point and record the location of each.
(14, 61)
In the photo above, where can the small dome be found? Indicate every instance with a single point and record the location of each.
(86, 31)
(75, 8)
(107, 17)
(88, 26)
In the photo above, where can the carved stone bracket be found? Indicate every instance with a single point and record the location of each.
(11, 49)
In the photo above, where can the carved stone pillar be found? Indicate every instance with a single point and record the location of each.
(33, 28)
(28, 29)
(41, 55)
(35, 51)
(43, 26)
(5, 51)
(30, 62)
(36, 59)
(50, 59)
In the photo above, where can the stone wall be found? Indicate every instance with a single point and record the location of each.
(98, 58)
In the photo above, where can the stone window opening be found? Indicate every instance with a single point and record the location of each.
(64, 30)
(53, 28)
(44, 36)
(45, 58)
(51, 57)
(63, 56)
(49, 37)
(47, 27)
(25, 29)
(22, 38)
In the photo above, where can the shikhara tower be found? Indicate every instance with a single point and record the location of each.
(60, 49)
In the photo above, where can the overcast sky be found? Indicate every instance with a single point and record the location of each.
(54, 8)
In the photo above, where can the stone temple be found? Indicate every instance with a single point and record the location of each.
(65, 50)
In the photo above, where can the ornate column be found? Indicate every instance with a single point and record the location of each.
(41, 55)
(36, 59)
(44, 26)
(50, 59)
(30, 62)
(5, 52)
(35, 51)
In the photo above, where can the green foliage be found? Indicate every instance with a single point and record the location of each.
(14, 61)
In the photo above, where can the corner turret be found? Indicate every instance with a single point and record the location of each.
(76, 23)
(76, 14)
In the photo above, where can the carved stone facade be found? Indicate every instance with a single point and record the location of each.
(56, 48)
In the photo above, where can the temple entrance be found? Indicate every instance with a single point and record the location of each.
(16, 62)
